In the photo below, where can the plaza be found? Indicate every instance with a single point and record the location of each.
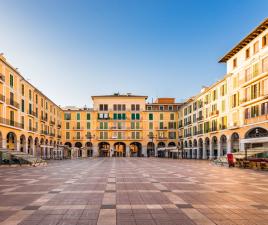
(130, 191)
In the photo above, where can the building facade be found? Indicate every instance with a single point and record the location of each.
(228, 116)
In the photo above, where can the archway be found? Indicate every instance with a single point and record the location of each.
(214, 142)
(257, 138)
(200, 148)
(42, 143)
(69, 144)
(207, 148)
(223, 143)
(172, 153)
(23, 143)
(191, 150)
(89, 148)
(68, 151)
(37, 147)
(184, 153)
(162, 152)
(79, 146)
(195, 149)
(235, 142)
(119, 149)
(30, 145)
(135, 149)
(104, 149)
(150, 149)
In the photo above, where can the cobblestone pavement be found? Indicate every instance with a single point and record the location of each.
(128, 191)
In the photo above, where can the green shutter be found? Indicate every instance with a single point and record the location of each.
(115, 116)
(88, 116)
(101, 125)
(119, 116)
(137, 116)
(133, 116)
(123, 116)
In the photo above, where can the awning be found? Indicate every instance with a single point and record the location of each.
(254, 140)
(250, 152)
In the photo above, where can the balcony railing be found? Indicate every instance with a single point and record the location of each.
(52, 122)
(32, 129)
(44, 132)
(58, 136)
(2, 77)
(2, 98)
(78, 128)
(44, 118)
(59, 126)
(32, 113)
(13, 103)
(11, 123)
(52, 135)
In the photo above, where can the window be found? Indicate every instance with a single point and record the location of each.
(30, 108)
(103, 107)
(78, 125)
(172, 135)
(214, 95)
(22, 89)
(67, 135)
(223, 105)
(22, 122)
(255, 69)
(151, 116)
(30, 94)
(149, 107)
(88, 116)
(151, 125)
(264, 40)
(235, 63)
(77, 135)
(265, 65)
(11, 81)
(223, 89)
(161, 108)
(254, 91)
(11, 117)
(78, 116)
(255, 111)
(67, 125)
(67, 116)
(172, 116)
(265, 86)
(247, 53)
(161, 116)
(264, 108)
(256, 47)
(161, 125)
(22, 105)
(135, 107)
(170, 108)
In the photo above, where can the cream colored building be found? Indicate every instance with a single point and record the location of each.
(230, 115)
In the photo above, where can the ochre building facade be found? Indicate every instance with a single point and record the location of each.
(230, 115)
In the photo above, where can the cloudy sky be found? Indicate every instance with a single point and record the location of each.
(73, 49)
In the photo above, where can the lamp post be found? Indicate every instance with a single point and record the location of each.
(152, 137)
(90, 137)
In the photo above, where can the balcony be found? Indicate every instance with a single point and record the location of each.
(58, 136)
(52, 122)
(59, 126)
(11, 123)
(32, 129)
(32, 113)
(246, 101)
(256, 119)
(13, 103)
(162, 128)
(78, 128)
(199, 118)
(214, 113)
(52, 135)
(188, 135)
(43, 132)
(214, 129)
(2, 98)
(199, 132)
(44, 119)
(2, 78)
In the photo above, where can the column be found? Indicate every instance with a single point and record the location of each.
(4, 143)
(204, 156)
(144, 151)
(198, 152)
(18, 145)
(219, 150)
(34, 153)
(127, 151)
(84, 152)
(229, 145)
(211, 150)
(95, 151)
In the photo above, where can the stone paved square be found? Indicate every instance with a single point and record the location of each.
(132, 191)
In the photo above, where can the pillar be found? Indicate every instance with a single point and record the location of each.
(204, 156)
(4, 143)
(229, 146)
(144, 151)
(219, 150)
(84, 153)
(198, 152)
(211, 150)
(18, 145)
(127, 151)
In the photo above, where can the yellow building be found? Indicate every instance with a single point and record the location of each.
(29, 121)
(230, 115)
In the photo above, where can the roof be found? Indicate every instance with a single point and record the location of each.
(119, 95)
(257, 31)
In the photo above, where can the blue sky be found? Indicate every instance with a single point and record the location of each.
(74, 49)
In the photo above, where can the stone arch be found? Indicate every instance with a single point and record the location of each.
(214, 142)
(23, 143)
(200, 148)
(223, 145)
(104, 149)
(150, 149)
(119, 149)
(135, 149)
(234, 142)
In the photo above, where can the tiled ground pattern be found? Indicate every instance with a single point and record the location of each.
(128, 191)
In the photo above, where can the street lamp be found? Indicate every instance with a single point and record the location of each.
(152, 137)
